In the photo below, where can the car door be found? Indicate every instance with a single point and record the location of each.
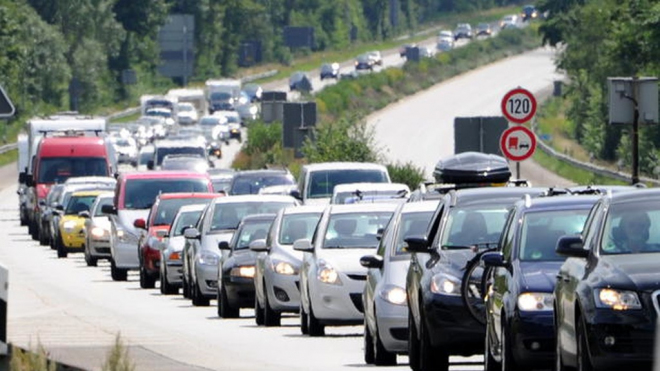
(375, 275)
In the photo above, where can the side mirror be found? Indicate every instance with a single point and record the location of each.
(304, 245)
(379, 233)
(223, 245)
(42, 203)
(22, 177)
(59, 207)
(418, 244)
(295, 194)
(571, 246)
(258, 245)
(29, 180)
(108, 209)
(372, 261)
(150, 164)
(493, 259)
(84, 214)
(192, 234)
(140, 223)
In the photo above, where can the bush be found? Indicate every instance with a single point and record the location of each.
(406, 173)
(26, 360)
(118, 358)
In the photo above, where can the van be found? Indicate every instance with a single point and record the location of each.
(317, 181)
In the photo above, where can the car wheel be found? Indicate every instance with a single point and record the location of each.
(382, 357)
(489, 362)
(166, 288)
(226, 310)
(583, 359)
(368, 345)
(89, 260)
(198, 298)
(314, 327)
(303, 321)
(431, 358)
(43, 237)
(413, 344)
(146, 282)
(184, 287)
(508, 362)
(34, 232)
(258, 312)
(117, 274)
(272, 317)
(61, 250)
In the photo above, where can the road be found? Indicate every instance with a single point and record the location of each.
(76, 311)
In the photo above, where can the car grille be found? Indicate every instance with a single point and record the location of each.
(655, 297)
(357, 277)
(356, 298)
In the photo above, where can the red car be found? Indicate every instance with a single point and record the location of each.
(157, 225)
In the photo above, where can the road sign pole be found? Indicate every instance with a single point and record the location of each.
(518, 170)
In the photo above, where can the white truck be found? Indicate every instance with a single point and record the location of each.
(223, 94)
(164, 106)
(194, 96)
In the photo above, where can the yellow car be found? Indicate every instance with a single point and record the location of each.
(71, 225)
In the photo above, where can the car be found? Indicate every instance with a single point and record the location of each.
(463, 31)
(300, 81)
(276, 278)
(218, 223)
(384, 295)
(529, 13)
(520, 280)
(375, 57)
(135, 194)
(445, 45)
(363, 62)
(252, 181)
(317, 181)
(97, 230)
(509, 21)
(171, 247)
(403, 50)
(185, 162)
(233, 126)
(484, 29)
(157, 225)
(127, 150)
(606, 293)
(186, 114)
(71, 224)
(221, 179)
(439, 322)
(253, 91)
(331, 277)
(166, 147)
(356, 192)
(236, 269)
(445, 34)
(329, 71)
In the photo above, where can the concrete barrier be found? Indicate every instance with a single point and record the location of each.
(4, 291)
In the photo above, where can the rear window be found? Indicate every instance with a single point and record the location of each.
(186, 220)
(322, 183)
(164, 151)
(167, 209)
(141, 193)
(246, 185)
(228, 215)
(79, 203)
(355, 230)
(252, 231)
(297, 226)
(59, 169)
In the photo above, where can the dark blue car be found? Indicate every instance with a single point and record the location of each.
(520, 280)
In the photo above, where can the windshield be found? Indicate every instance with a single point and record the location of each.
(168, 208)
(297, 226)
(103, 201)
(468, 226)
(221, 96)
(141, 193)
(541, 230)
(252, 184)
(77, 204)
(227, 215)
(59, 169)
(355, 230)
(186, 220)
(161, 152)
(209, 121)
(632, 228)
(322, 183)
(159, 113)
(356, 197)
(252, 231)
(412, 224)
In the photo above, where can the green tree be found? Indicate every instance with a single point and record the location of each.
(342, 140)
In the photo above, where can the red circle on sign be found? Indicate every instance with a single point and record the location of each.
(511, 143)
(514, 108)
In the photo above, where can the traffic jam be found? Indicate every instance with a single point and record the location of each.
(473, 262)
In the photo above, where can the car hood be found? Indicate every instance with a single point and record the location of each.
(242, 258)
(318, 201)
(539, 276)
(345, 260)
(102, 222)
(175, 244)
(631, 271)
(287, 253)
(125, 218)
(210, 241)
(453, 262)
(78, 220)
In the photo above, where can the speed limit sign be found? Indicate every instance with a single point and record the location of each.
(519, 105)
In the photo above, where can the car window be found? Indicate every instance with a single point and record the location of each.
(186, 219)
(103, 201)
(141, 193)
(226, 216)
(541, 230)
(245, 185)
(509, 233)
(77, 204)
(59, 169)
(252, 231)
(322, 183)
(168, 208)
(468, 226)
(297, 226)
(632, 228)
(355, 229)
(412, 224)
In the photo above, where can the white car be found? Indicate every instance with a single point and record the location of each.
(97, 230)
(127, 150)
(375, 57)
(186, 114)
(331, 277)
(352, 193)
(234, 124)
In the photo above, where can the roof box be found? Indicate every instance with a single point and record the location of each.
(472, 167)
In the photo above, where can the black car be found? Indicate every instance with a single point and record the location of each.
(363, 62)
(329, 71)
(529, 12)
(607, 295)
(519, 328)
(439, 323)
(484, 29)
(463, 31)
(237, 268)
(252, 181)
(300, 81)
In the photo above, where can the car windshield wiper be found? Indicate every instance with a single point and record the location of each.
(475, 246)
(335, 247)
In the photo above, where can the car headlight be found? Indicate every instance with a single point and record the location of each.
(284, 268)
(327, 274)
(394, 294)
(245, 271)
(69, 226)
(535, 301)
(254, 110)
(120, 233)
(617, 299)
(446, 285)
(99, 232)
(208, 258)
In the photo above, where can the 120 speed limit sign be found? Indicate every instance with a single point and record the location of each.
(519, 106)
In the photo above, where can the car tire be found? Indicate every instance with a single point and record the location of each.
(314, 326)
(226, 310)
(33, 230)
(117, 274)
(303, 321)
(146, 281)
(368, 345)
(89, 259)
(382, 357)
(413, 344)
(258, 312)
(431, 358)
(43, 238)
(583, 358)
(166, 288)
(61, 249)
(184, 287)
(508, 362)
(198, 298)
(490, 364)
(272, 318)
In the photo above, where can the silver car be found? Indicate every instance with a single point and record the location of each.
(218, 223)
(277, 269)
(171, 263)
(97, 230)
(384, 296)
(331, 277)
